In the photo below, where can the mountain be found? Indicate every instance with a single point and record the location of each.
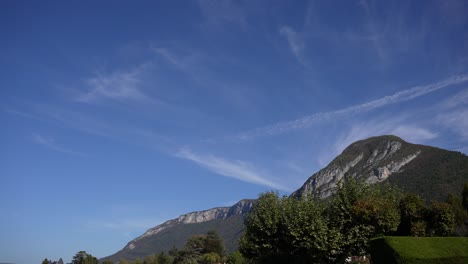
(227, 221)
(430, 172)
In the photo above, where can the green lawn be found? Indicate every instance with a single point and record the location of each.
(416, 250)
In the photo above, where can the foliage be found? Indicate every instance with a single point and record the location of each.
(84, 258)
(194, 246)
(441, 220)
(45, 261)
(151, 259)
(201, 249)
(412, 250)
(358, 212)
(236, 258)
(229, 229)
(210, 258)
(213, 243)
(110, 262)
(433, 174)
(280, 230)
(461, 214)
(412, 211)
(164, 259)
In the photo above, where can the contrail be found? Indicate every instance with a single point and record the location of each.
(306, 121)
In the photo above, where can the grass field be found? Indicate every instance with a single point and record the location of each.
(418, 250)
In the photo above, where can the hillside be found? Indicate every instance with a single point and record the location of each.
(227, 221)
(430, 172)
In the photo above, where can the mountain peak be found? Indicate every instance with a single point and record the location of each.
(372, 160)
(430, 172)
(372, 141)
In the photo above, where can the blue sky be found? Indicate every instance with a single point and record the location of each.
(117, 116)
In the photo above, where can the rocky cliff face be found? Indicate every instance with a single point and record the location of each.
(372, 160)
(209, 219)
(240, 208)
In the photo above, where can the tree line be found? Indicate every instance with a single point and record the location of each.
(308, 230)
(199, 249)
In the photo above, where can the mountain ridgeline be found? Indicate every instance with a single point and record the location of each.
(227, 221)
(431, 172)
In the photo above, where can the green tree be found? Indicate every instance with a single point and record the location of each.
(164, 259)
(151, 259)
(107, 262)
(441, 220)
(201, 248)
(302, 230)
(288, 230)
(358, 212)
(461, 214)
(45, 261)
(84, 258)
(284, 230)
(260, 239)
(194, 247)
(210, 258)
(236, 258)
(413, 213)
(213, 244)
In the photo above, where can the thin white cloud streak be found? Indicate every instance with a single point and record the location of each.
(295, 41)
(307, 121)
(233, 169)
(456, 121)
(176, 61)
(91, 125)
(122, 86)
(458, 99)
(51, 144)
(453, 114)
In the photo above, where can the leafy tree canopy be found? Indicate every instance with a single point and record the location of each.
(84, 258)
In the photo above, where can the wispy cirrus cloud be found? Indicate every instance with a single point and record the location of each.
(453, 114)
(456, 121)
(50, 143)
(307, 121)
(459, 99)
(236, 169)
(295, 41)
(218, 14)
(120, 86)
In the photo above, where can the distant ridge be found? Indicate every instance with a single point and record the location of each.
(227, 221)
(430, 172)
